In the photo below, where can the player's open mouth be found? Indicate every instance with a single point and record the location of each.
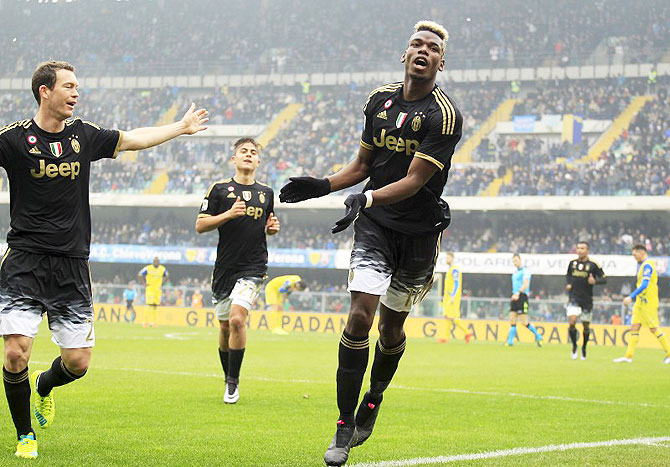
(420, 62)
(71, 105)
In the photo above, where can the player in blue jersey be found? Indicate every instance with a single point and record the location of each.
(519, 304)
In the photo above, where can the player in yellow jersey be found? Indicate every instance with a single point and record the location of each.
(276, 291)
(451, 308)
(645, 310)
(152, 276)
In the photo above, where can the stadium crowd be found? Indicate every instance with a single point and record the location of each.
(636, 164)
(471, 232)
(146, 36)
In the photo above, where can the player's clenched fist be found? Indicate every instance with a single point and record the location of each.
(272, 225)
(238, 209)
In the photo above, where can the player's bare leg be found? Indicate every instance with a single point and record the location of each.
(237, 343)
(353, 360)
(388, 351)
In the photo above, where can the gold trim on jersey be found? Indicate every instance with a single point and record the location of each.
(200, 216)
(225, 180)
(367, 146)
(24, 123)
(387, 87)
(4, 257)
(92, 124)
(421, 155)
(118, 144)
(451, 110)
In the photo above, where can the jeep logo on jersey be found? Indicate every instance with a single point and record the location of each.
(256, 213)
(246, 195)
(408, 146)
(65, 169)
(56, 149)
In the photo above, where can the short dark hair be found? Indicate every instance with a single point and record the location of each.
(516, 255)
(583, 242)
(245, 140)
(299, 285)
(45, 74)
(639, 246)
(450, 252)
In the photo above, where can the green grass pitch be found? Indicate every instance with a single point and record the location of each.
(155, 397)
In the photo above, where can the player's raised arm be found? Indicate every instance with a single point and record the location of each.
(303, 188)
(192, 122)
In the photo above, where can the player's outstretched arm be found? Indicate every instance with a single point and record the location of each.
(303, 188)
(418, 174)
(192, 122)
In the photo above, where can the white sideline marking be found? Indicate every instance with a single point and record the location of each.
(513, 452)
(181, 336)
(393, 386)
(529, 396)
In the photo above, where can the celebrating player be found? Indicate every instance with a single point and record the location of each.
(276, 291)
(645, 310)
(45, 268)
(519, 302)
(453, 286)
(583, 273)
(410, 132)
(242, 210)
(152, 276)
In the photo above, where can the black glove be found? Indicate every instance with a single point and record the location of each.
(302, 188)
(354, 204)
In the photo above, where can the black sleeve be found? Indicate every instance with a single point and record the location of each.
(5, 146)
(210, 205)
(439, 144)
(599, 275)
(102, 143)
(271, 203)
(366, 136)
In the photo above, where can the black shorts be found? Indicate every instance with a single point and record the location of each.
(587, 307)
(35, 283)
(396, 266)
(521, 305)
(129, 303)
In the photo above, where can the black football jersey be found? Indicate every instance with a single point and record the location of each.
(398, 131)
(578, 276)
(48, 177)
(242, 243)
